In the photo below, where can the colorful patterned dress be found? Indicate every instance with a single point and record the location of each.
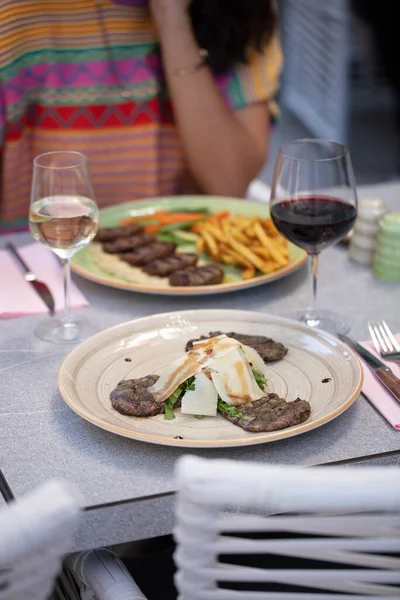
(74, 79)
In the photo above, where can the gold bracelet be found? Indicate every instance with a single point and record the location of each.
(186, 72)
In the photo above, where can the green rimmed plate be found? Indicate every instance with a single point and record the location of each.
(85, 264)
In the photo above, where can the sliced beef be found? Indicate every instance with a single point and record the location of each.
(162, 267)
(109, 234)
(149, 253)
(271, 413)
(130, 244)
(207, 275)
(190, 343)
(131, 397)
(268, 349)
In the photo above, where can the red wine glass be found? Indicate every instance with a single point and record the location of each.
(314, 205)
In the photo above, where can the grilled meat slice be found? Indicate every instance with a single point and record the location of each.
(130, 244)
(162, 267)
(269, 350)
(207, 275)
(131, 397)
(271, 413)
(109, 234)
(149, 253)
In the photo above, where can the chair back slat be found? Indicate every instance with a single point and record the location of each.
(253, 532)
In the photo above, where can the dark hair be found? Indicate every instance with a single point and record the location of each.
(229, 29)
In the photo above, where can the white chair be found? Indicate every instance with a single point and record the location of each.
(102, 576)
(35, 533)
(347, 517)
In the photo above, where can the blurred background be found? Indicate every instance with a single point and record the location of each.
(342, 81)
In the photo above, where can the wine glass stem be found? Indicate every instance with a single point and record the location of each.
(313, 262)
(67, 315)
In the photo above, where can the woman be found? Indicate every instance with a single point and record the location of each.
(163, 96)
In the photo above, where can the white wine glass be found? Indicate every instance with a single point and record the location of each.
(314, 205)
(64, 217)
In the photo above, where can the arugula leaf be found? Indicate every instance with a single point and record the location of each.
(199, 417)
(189, 385)
(260, 378)
(175, 396)
(169, 412)
(232, 411)
(169, 404)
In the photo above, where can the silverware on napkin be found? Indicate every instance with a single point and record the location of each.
(41, 288)
(384, 341)
(380, 370)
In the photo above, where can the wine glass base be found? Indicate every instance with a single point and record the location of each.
(322, 319)
(56, 331)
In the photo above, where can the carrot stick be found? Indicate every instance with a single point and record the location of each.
(169, 219)
(143, 218)
(155, 228)
(220, 215)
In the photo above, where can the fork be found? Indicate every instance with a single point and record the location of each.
(384, 341)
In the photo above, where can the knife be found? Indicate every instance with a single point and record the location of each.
(381, 371)
(41, 288)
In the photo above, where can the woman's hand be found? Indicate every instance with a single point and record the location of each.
(168, 12)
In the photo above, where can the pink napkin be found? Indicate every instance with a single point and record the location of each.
(17, 297)
(377, 394)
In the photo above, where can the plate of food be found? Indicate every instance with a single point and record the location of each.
(210, 378)
(187, 245)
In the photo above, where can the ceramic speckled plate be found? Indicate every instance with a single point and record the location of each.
(317, 368)
(83, 262)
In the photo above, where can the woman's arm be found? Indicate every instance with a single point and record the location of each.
(224, 149)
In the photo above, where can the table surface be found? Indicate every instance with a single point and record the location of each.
(41, 438)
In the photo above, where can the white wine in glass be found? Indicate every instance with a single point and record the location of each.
(64, 216)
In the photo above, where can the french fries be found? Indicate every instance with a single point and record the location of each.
(250, 243)
(211, 244)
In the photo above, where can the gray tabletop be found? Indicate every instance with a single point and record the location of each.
(41, 438)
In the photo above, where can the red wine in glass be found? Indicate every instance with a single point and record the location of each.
(314, 222)
(314, 205)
